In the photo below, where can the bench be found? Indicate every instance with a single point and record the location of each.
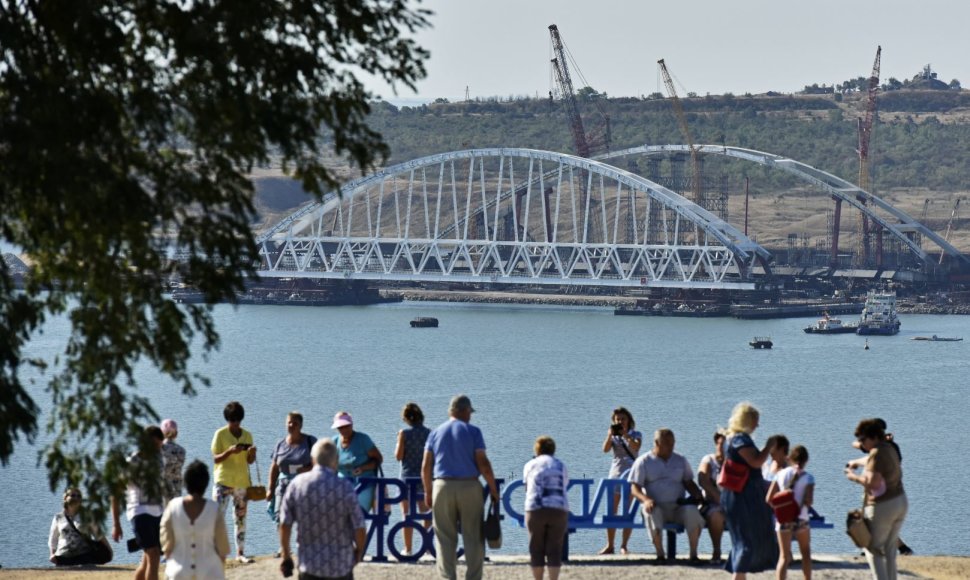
(627, 517)
(816, 521)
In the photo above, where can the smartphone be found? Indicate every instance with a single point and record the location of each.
(245, 445)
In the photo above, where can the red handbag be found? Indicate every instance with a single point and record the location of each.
(784, 505)
(733, 475)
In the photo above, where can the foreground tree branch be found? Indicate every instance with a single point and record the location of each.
(126, 130)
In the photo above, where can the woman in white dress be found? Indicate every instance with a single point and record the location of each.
(193, 533)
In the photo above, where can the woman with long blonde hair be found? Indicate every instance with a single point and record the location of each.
(753, 544)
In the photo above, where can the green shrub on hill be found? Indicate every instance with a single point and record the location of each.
(913, 150)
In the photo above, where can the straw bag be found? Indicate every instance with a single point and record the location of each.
(858, 529)
(256, 492)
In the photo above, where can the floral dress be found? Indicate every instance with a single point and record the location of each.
(173, 457)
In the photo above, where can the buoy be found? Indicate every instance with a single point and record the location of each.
(867, 344)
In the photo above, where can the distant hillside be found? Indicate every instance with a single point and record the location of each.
(920, 138)
(918, 153)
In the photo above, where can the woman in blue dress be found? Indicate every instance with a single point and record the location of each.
(410, 452)
(754, 547)
(290, 457)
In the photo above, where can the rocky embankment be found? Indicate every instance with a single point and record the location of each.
(909, 308)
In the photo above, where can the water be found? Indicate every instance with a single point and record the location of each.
(560, 371)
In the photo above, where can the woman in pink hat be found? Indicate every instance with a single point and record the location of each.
(357, 456)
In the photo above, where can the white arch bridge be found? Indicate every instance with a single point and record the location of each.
(524, 216)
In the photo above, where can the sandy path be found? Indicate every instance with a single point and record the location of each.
(585, 568)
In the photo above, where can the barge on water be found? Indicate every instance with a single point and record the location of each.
(684, 309)
(793, 309)
(935, 338)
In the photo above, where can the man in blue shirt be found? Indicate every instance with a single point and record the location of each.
(454, 457)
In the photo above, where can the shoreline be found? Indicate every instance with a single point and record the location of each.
(495, 297)
(515, 567)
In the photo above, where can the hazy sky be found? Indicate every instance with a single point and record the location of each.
(502, 47)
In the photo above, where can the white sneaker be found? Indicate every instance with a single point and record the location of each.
(244, 559)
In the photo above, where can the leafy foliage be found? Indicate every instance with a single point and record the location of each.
(126, 131)
(819, 130)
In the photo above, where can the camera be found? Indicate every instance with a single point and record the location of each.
(616, 428)
(286, 567)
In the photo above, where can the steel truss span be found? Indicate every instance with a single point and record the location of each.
(898, 223)
(517, 216)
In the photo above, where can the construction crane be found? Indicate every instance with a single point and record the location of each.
(949, 225)
(561, 68)
(584, 142)
(682, 121)
(865, 136)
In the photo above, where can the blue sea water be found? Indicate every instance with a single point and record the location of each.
(560, 371)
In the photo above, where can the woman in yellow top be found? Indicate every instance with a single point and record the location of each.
(233, 451)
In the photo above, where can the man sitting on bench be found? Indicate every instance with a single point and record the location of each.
(659, 480)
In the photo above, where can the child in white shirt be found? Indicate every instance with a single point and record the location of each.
(803, 484)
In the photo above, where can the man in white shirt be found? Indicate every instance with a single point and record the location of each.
(659, 480)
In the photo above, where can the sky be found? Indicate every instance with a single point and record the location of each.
(502, 47)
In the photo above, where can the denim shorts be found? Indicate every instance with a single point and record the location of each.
(798, 524)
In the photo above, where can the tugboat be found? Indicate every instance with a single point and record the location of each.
(424, 322)
(760, 342)
(879, 314)
(828, 325)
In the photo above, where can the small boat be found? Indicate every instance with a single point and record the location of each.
(760, 342)
(424, 322)
(829, 325)
(935, 338)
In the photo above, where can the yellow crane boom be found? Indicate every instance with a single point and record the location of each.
(682, 121)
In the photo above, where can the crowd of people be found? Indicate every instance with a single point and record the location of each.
(738, 487)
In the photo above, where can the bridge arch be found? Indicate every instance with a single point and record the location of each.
(839, 188)
(510, 216)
